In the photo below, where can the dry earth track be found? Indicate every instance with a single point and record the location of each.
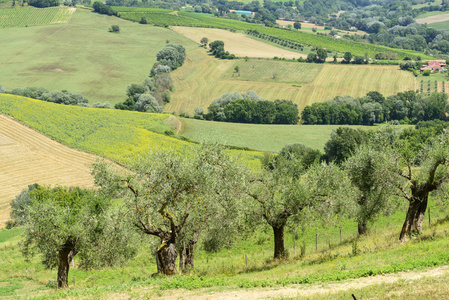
(27, 157)
(293, 291)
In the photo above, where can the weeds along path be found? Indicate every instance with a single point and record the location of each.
(306, 291)
(27, 157)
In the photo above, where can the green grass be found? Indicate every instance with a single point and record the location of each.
(431, 13)
(82, 56)
(275, 71)
(260, 137)
(229, 270)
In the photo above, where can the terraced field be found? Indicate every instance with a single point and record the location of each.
(28, 157)
(204, 78)
(30, 16)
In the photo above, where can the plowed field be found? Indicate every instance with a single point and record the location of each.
(28, 157)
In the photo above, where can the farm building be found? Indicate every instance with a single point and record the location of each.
(434, 66)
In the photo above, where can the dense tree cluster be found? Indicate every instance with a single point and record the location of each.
(375, 108)
(60, 97)
(250, 108)
(101, 8)
(172, 55)
(154, 92)
(43, 3)
(217, 49)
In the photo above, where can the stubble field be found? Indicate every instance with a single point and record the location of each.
(28, 157)
(204, 78)
(237, 43)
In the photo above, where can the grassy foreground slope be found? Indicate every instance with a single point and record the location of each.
(203, 78)
(82, 56)
(245, 271)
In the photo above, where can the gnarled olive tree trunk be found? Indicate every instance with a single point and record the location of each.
(65, 256)
(279, 250)
(166, 254)
(414, 217)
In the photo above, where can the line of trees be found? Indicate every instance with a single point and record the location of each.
(404, 107)
(60, 97)
(205, 195)
(249, 108)
(154, 92)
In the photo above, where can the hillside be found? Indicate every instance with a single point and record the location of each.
(82, 56)
(237, 43)
(180, 18)
(204, 78)
(27, 157)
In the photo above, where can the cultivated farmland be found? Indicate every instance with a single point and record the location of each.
(28, 157)
(237, 43)
(82, 56)
(122, 136)
(204, 78)
(434, 19)
(29, 16)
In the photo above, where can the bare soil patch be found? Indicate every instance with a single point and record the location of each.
(433, 19)
(28, 157)
(237, 43)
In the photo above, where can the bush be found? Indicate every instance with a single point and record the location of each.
(426, 72)
(114, 28)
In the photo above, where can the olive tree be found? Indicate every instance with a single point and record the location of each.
(417, 184)
(369, 170)
(283, 193)
(62, 223)
(174, 197)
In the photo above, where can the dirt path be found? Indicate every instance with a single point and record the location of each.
(306, 290)
(173, 121)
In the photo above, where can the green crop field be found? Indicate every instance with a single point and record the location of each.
(204, 78)
(275, 71)
(24, 17)
(200, 20)
(82, 56)
(440, 25)
(261, 137)
(119, 135)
